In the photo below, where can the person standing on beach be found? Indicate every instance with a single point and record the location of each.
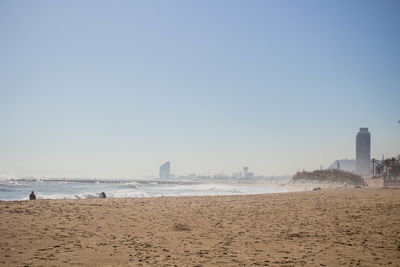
(32, 196)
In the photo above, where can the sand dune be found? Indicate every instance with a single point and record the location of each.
(329, 227)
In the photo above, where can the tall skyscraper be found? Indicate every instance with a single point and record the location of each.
(165, 170)
(363, 152)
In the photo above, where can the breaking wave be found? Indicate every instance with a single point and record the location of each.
(87, 189)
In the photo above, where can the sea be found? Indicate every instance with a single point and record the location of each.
(19, 189)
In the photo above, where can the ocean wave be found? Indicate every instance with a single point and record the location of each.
(68, 196)
(128, 194)
(61, 189)
(6, 190)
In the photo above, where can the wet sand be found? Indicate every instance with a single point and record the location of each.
(331, 227)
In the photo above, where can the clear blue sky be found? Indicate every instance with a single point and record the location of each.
(115, 88)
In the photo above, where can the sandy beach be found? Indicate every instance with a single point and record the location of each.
(328, 227)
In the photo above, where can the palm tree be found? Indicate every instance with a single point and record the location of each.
(386, 164)
(373, 160)
(395, 167)
(390, 165)
(379, 169)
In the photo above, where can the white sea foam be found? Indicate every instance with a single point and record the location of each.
(67, 196)
(83, 189)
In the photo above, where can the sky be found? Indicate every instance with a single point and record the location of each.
(116, 88)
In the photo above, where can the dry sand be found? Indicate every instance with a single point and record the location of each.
(329, 227)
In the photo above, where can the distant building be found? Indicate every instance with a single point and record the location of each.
(237, 175)
(348, 165)
(246, 172)
(363, 152)
(165, 170)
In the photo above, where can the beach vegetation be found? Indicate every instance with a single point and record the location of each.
(328, 176)
(392, 166)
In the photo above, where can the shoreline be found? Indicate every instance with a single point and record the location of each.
(204, 189)
(338, 226)
(294, 189)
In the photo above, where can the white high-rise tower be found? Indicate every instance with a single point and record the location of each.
(363, 152)
(165, 170)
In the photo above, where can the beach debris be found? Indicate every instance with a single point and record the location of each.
(181, 227)
(103, 195)
(32, 196)
(317, 188)
(358, 186)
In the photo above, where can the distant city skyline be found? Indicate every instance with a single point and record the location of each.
(105, 89)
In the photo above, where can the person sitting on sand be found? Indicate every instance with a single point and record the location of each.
(32, 196)
(103, 195)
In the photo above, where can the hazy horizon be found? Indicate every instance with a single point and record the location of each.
(115, 89)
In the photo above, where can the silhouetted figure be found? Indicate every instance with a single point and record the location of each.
(103, 195)
(32, 196)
